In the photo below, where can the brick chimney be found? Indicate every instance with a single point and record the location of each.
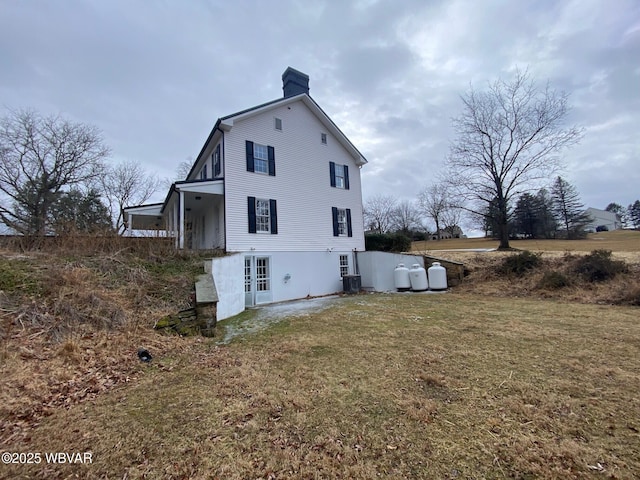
(294, 82)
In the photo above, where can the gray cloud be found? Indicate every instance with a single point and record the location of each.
(154, 76)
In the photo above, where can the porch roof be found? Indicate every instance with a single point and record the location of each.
(144, 217)
(150, 216)
(192, 189)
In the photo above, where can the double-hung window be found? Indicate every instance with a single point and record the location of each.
(341, 222)
(262, 215)
(260, 158)
(339, 175)
(217, 165)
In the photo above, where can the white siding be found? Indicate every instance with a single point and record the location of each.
(301, 186)
(206, 159)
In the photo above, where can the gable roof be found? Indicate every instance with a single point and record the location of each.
(226, 123)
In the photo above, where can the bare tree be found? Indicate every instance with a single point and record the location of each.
(406, 217)
(127, 184)
(378, 213)
(507, 138)
(39, 158)
(434, 201)
(183, 169)
(181, 172)
(451, 219)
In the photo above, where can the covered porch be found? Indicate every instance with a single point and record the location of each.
(192, 213)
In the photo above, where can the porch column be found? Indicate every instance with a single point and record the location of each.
(181, 222)
(174, 224)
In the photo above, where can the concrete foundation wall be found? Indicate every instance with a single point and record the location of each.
(301, 274)
(376, 269)
(228, 276)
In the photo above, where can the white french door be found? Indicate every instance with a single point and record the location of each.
(257, 280)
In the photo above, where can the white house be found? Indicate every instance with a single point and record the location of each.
(278, 184)
(602, 218)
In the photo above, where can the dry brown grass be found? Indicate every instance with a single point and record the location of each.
(70, 324)
(616, 241)
(391, 386)
(478, 383)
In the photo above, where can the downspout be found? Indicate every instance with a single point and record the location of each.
(224, 186)
(356, 267)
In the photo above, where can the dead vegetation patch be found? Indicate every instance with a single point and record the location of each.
(71, 324)
(425, 386)
(599, 277)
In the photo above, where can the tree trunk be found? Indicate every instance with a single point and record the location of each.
(503, 225)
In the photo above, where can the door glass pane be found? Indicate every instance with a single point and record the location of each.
(263, 279)
(247, 274)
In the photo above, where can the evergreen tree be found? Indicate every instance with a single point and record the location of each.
(634, 214)
(75, 211)
(619, 210)
(533, 217)
(567, 208)
(525, 216)
(547, 224)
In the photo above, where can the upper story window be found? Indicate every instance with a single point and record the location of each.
(278, 124)
(341, 222)
(203, 172)
(260, 158)
(323, 138)
(262, 215)
(339, 175)
(217, 163)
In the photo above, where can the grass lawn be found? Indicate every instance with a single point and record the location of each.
(388, 386)
(617, 241)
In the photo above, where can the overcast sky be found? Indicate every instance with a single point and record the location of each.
(155, 75)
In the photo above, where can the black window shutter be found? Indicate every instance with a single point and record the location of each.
(334, 213)
(332, 173)
(251, 209)
(273, 213)
(218, 166)
(250, 164)
(346, 177)
(272, 161)
(349, 231)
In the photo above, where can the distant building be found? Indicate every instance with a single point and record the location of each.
(602, 218)
(446, 233)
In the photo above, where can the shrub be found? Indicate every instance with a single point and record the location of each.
(598, 266)
(387, 242)
(519, 264)
(553, 281)
(632, 297)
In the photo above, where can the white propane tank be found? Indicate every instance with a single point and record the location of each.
(418, 277)
(437, 276)
(401, 278)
